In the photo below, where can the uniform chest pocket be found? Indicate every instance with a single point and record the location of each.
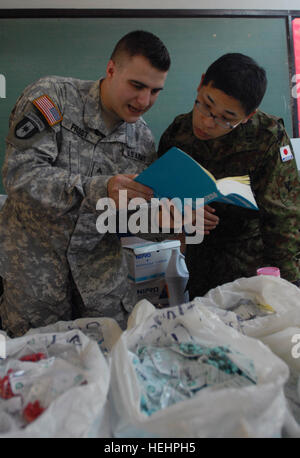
(75, 156)
(76, 151)
(104, 166)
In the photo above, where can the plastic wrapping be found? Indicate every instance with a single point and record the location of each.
(268, 308)
(280, 298)
(243, 410)
(54, 385)
(104, 331)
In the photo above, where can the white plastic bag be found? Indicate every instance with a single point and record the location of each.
(278, 329)
(104, 331)
(254, 410)
(66, 374)
(286, 345)
(280, 295)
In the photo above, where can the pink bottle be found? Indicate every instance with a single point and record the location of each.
(268, 271)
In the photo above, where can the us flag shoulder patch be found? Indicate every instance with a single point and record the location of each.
(48, 109)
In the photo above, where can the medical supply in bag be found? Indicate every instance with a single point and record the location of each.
(53, 385)
(181, 372)
(178, 371)
(248, 309)
(177, 277)
(277, 304)
(266, 307)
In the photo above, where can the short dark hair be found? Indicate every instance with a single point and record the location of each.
(145, 44)
(239, 76)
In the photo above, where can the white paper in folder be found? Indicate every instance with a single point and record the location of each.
(296, 147)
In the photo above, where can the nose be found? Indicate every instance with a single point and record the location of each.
(209, 121)
(144, 98)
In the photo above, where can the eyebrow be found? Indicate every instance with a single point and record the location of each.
(145, 85)
(231, 113)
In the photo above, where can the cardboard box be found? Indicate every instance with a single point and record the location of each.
(147, 260)
(154, 291)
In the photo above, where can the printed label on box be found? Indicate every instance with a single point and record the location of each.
(148, 261)
(154, 291)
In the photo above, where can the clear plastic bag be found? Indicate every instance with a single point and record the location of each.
(271, 304)
(104, 331)
(54, 385)
(267, 308)
(249, 410)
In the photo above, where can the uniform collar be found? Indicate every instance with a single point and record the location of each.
(92, 108)
(124, 133)
(226, 145)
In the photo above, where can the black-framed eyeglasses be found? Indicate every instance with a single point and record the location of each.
(205, 111)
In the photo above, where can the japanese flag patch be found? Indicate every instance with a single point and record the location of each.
(48, 109)
(286, 153)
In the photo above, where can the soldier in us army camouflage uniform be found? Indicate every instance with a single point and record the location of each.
(70, 143)
(229, 136)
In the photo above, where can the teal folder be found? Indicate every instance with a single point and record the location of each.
(176, 174)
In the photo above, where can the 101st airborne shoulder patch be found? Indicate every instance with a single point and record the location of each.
(32, 125)
(29, 125)
(48, 109)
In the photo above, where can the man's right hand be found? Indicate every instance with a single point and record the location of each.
(126, 183)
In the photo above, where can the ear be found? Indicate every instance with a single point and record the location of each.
(249, 116)
(200, 84)
(110, 68)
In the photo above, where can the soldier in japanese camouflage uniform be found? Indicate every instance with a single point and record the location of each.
(70, 143)
(229, 136)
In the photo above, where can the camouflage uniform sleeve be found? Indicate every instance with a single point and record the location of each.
(278, 199)
(28, 168)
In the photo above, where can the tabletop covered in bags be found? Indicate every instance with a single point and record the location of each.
(223, 365)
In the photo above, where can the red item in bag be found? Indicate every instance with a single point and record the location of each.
(5, 388)
(32, 411)
(33, 357)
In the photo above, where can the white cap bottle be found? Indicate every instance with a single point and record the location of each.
(177, 277)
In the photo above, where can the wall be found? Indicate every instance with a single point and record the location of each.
(279, 83)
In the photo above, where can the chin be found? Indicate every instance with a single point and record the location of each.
(131, 119)
(200, 134)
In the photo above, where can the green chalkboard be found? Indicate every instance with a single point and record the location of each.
(80, 47)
